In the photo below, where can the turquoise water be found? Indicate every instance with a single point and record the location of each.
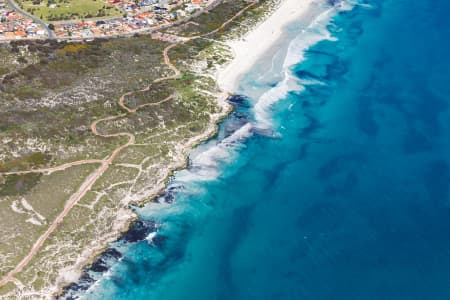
(329, 181)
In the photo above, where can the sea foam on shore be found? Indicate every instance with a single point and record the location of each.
(258, 42)
(280, 41)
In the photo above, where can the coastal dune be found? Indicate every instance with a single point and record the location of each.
(258, 42)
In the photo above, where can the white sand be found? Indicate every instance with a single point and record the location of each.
(259, 40)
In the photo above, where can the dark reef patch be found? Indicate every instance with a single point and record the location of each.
(312, 125)
(239, 100)
(159, 241)
(70, 291)
(415, 142)
(168, 196)
(365, 118)
(138, 231)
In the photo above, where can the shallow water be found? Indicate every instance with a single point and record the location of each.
(329, 181)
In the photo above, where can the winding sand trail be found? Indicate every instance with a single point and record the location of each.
(105, 163)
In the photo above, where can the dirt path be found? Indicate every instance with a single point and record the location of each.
(57, 168)
(105, 163)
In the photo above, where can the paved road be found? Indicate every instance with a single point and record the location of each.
(14, 6)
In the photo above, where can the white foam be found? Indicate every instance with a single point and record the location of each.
(268, 99)
(205, 165)
(150, 237)
(310, 36)
(258, 41)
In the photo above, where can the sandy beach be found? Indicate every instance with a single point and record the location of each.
(248, 49)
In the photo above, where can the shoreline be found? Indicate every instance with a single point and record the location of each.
(245, 55)
(258, 41)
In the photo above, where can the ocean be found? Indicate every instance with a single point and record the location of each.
(330, 180)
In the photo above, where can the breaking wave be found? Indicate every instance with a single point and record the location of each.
(311, 35)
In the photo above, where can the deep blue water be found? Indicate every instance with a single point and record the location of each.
(344, 196)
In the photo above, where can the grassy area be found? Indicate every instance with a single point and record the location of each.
(13, 185)
(155, 93)
(71, 85)
(29, 204)
(26, 162)
(3, 71)
(63, 10)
